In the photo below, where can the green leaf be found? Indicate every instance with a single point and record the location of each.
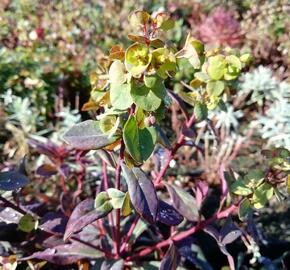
(145, 98)
(137, 59)
(262, 195)
(215, 88)
(120, 96)
(126, 208)
(239, 188)
(107, 123)
(102, 203)
(288, 183)
(131, 138)
(216, 67)
(117, 73)
(202, 76)
(139, 143)
(27, 223)
(200, 111)
(244, 208)
(117, 197)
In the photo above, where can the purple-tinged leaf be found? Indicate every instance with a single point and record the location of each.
(212, 231)
(168, 215)
(65, 170)
(87, 135)
(66, 254)
(142, 193)
(171, 259)
(49, 149)
(229, 232)
(22, 166)
(224, 184)
(12, 180)
(83, 215)
(201, 191)
(193, 253)
(231, 237)
(188, 132)
(53, 222)
(53, 241)
(112, 265)
(183, 202)
(9, 215)
(46, 170)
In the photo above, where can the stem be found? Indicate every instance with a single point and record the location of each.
(129, 234)
(13, 206)
(173, 151)
(184, 234)
(111, 219)
(118, 186)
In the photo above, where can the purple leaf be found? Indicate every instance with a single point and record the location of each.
(46, 170)
(12, 180)
(224, 184)
(201, 191)
(65, 170)
(83, 215)
(111, 265)
(66, 254)
(142, 193)
(53, 222)
(49, 149)
(183, 202)
(231, 237)
(87, 135)
(53, 241)
(171, 259)
(168, 215)
(9, 215)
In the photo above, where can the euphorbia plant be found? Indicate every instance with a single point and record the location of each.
(129, 98)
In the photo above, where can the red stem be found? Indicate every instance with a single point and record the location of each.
(172, 152)
(118, 186)
(184, 234)
(129, 234)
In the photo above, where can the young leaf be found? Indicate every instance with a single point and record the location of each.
(120, 96)
(183, 202)
(170, 259)
(117, 197)
(27, 223)
(216, 67)
(142, 193)
(168, 215)
(84, 214)
(12, 180)
(87, 135)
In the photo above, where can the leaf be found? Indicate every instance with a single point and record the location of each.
(168, 215)
(183, 202)
(262, 195)
(139, 18)
(53, 222)
(239, 188)
(216, 67)
(139, 143)
(117, 73)
(288, 183)
(120, 96)
(137, 59)
(139, 39)
(200, 111)
(12, 180)
(142, 193)
(126, 208)
(66, 254)
(117, 197)
(87, 136)
(170, 259)
(244, 208)
(215, 88)
(27, 223)
(9, 215)
(145, 98)
(83, 215)
(46, 170)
